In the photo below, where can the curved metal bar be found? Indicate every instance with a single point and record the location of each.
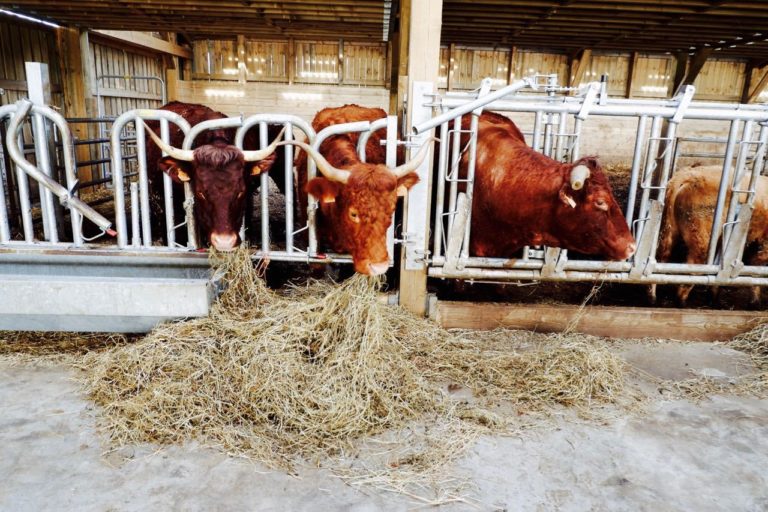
(117, 159)
(211, 124)
(362, 141)
(68, 200)
(5, 230)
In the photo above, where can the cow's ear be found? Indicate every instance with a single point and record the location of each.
(179, 171)
(565, 197)
(406, 182)
(324, 190)
(256, 168)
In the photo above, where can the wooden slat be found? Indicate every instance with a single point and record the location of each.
(615, 322)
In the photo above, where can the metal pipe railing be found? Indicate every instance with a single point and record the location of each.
(67, 199)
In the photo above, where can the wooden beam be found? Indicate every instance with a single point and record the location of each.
(423, 64)
(614, 322)
(511, 65)
(75, 90)
(759, 87)
(449, 67)
(146, 41)
(578, 67)
(630, 74)
(693, 70)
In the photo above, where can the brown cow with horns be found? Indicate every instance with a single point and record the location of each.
(218, 171)
(356, 199)
(522, 197)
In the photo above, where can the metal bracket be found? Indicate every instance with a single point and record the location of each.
(589, 100)
(644, 260)
(685, 102)
(554, 261)
(734, 249)
(456, 235)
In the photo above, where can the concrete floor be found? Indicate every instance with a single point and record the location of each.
(709, 456)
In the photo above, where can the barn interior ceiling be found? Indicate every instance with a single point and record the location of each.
(736, 29)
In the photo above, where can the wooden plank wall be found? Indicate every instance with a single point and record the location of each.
(463, 68)
(313, 62)
(299, 99)
(20, 43)
(119, 94)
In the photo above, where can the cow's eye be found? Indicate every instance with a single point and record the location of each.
(601, 205)
(354, 215)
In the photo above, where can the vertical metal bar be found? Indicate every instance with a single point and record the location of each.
(24, 205)
(536, 141)
(43, 158)
(5, 230)
(288, 170)
(170, 217)
(717, 221)
(758, 162)
(117, 182)
(437, 249)
(470, 180)
(391, 161)
(635, 171)
(575, 150)
(647, 177)
(561, 141)
(141, 156)
(135, 209)
(454, 170)
(311, 207)
(738, 174)
(264, 192)
(189, 214)
(548, 136)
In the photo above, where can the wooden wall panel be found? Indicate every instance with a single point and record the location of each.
(303, 100)
(317, 63)
(721, 80)
(20, 43)
(120, 94)
(365, 64)
(614, 67)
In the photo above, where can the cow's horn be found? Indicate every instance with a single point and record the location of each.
(579, 175)
(414, 162)
(185, 155)
(329, 171)
(261, 154)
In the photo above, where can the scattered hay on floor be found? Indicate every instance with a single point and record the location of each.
(32, 347)
(755, 343)
(316, 372)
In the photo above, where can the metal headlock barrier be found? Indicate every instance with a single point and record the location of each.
(558, 123)
(133, 222)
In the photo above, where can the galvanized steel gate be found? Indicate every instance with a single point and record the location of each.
(558, 123)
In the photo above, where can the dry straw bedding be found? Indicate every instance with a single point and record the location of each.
(325, 371)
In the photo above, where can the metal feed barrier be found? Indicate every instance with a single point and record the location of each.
(40, 259)
(558, 123)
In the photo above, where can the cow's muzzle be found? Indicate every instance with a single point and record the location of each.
(224, 242)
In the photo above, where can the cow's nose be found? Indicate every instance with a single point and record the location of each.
(376, 269)
(631, 248)
(224, 241)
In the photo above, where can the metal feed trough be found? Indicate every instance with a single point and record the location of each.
(557, 128)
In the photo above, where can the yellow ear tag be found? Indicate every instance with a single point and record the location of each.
(255, 170)
(182, 175)
(402, 191)
(329, 199)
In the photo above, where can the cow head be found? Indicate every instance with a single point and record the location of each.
(588, 217)
(358, 203)
(218, 173)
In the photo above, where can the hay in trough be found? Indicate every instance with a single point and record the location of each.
(321, 369)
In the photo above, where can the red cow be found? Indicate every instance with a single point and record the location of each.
(522, 197)
(356, 199)
(689, 210)
(219, 172)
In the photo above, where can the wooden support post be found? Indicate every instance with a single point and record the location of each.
(630, 74)
(511, 65)
(291, 60)
(423, 65)
(242, 69)
(689, 75)
(397, 97)
(747, 80)
(449, 67)
(578, 67)
(172, 80)
(341, 62)
(759, 87)
(75, 89)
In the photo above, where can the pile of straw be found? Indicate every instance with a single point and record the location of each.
(318, 370)
(32, 347)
